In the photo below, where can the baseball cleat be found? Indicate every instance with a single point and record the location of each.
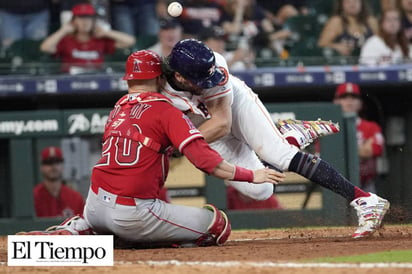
(370, 211)
(305, 132)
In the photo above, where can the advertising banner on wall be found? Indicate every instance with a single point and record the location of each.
(52, 123)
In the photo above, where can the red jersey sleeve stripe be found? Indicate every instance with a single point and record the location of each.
(217, 95)
(188, 140)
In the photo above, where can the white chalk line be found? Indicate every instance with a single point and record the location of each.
(261, 264)
(287, 238)
(271, 264)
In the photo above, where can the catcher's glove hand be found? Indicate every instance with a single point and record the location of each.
(305, 132)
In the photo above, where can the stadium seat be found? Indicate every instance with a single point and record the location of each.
(322, 7)
(303, 26)
(25, 56)
(305, 33)
(115, 62)
(375, 6)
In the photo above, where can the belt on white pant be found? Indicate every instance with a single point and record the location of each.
(121, 200)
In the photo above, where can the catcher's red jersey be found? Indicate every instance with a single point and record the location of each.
(129, 168)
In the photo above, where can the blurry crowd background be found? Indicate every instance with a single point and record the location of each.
(249, 33)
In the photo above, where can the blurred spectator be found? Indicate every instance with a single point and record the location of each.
(197, 15)
(52, 198)
(81, 44)
(406, 10)
(281, 10)
(247, 24)
(245, 18)
(239, 59)
(390, 45)
(238, 201)
(169, 34)
(347, 30)
(369, 134)
(22, 19)
(135, 17)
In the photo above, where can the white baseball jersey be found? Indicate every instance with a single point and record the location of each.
(253, 132)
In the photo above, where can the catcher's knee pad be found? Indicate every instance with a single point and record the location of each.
(219, 229)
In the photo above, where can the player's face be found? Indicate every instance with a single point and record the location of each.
(187, 85)
(52, 171)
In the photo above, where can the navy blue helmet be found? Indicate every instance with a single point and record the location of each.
(196, 62)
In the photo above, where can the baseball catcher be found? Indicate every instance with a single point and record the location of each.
(125, 182)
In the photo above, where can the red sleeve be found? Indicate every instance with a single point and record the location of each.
(202, 156)
(179, 128)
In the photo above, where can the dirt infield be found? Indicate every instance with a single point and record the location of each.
(259, 251)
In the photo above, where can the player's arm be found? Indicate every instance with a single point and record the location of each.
(221, 119)
(49, 45)
(206, 159)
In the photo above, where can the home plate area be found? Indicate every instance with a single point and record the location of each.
(290, 250)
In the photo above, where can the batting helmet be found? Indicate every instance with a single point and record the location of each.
(196, 62)
(143, 64)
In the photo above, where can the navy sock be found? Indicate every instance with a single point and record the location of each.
(322, 173)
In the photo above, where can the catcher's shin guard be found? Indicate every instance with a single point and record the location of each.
(218, 231)
(302, 133)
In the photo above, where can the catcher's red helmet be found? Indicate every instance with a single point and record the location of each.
(143, 64)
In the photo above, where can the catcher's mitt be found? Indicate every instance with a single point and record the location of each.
(305, 132)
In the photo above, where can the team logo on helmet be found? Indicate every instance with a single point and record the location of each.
(136, 65)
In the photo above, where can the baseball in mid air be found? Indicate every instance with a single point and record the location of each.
(175, 9)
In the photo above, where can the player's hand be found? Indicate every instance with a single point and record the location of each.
(268, 175)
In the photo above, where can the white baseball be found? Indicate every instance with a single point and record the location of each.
(175, 9)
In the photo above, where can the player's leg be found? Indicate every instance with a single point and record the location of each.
(370, 208)
(252, 122)
(154, 221)
(239, 153)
